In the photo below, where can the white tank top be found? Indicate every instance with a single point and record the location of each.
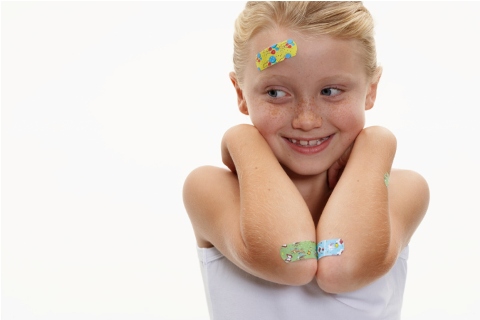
(233, 294)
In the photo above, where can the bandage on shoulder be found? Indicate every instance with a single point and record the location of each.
(276, 53)
(332, 247)
(298, 251)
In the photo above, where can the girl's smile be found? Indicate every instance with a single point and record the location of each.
(309, 146)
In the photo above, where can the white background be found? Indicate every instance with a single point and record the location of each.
(107, 106)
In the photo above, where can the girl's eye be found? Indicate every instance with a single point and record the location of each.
(276, 93)
(331, 92)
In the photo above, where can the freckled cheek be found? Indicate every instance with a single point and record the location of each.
(348, 117)
(355, 121)
(268, 119)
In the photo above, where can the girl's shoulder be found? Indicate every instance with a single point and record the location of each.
(209, 193)
(408, 196)
(409, 179)
(207, 179)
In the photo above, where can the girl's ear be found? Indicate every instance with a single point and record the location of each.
(372, 90)
(242, 104)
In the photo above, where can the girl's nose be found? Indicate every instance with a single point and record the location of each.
(307, 116)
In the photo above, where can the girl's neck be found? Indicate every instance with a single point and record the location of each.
(314, 190)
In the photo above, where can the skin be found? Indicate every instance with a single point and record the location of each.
(278, 191)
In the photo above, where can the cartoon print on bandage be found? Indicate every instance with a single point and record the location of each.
(298, 251)
(276, 53)
(332, 247)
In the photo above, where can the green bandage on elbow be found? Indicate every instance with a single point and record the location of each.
(298, 251)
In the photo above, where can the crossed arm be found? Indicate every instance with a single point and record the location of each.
(247, 213)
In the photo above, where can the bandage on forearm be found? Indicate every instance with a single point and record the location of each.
(386, 178)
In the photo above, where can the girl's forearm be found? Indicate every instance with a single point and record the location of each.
(358, 212)
(272, 211)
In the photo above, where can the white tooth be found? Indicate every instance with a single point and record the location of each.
(303, 143)
(313, 142)
(293, 141)
(319, 141)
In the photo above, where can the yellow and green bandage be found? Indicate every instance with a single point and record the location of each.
(308, 250)
(298, 251)
(276, 53)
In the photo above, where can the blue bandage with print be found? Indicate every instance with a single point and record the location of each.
(332, 247)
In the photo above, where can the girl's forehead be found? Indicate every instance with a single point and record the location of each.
(269, 37)
(293, 45)
(304, 44)
(309, 57)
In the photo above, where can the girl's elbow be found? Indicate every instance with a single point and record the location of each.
(274, 269)
(297, 273)
(331, 276)
(306, 272)
(337, 275)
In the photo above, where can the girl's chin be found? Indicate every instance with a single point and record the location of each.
(303, 172)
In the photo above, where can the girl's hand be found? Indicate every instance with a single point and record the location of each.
(226, 157)
(233, 132)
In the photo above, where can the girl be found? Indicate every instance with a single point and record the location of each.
(310, 221)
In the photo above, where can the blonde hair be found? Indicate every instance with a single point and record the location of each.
(345, 20)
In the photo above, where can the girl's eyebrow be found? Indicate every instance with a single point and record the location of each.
(341, 77)
(266, 78)
(273, 76)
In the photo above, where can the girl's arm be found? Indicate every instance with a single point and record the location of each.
(248, 215)
(374, 221)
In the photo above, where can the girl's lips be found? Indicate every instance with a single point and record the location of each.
(309, 146)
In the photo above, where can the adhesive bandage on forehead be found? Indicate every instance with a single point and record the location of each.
(276, 53)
